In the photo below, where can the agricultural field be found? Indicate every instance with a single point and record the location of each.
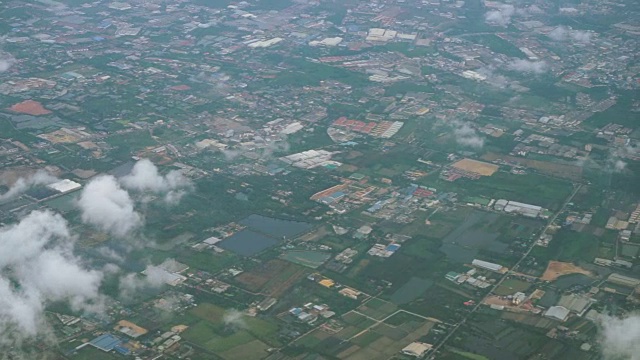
(364, 338)
(511, 286)
(229, 333)
(565, 171)
(272, 278)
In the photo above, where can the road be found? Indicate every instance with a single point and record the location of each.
(506, 275)
(377, 322)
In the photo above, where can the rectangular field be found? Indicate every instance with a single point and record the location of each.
(475, 166)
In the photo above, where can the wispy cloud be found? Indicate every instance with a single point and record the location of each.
(501, 16)
(563, 33)
(526, 66)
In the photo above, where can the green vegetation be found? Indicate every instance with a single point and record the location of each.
(305, 72)
(91, 353)
(467, 355)
(620, 113)
(223, 330)
(570, 246)
(532, 188)
(511, 286)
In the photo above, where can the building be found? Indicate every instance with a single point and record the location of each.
(64, 186)
(130, 329)
(417, 349)
(350, 293)
(578, 304)
(105, 342)
(267, 303)
(622, 280)
(452, 276)
(523, 209)
(558, 313)
(489, 266)
(328, 283)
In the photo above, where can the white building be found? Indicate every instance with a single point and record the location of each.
(488, 266)
(64, 186)
(557, 312)
(416, 349)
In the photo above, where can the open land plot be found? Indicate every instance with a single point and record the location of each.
(530, 320)
(569, 246)
(377, 308)
(312, 339)
(215, 318)
(30, 107)
(309, 258)
(366, 338)
(471, 236)
(356, 319)
(348, 332)
(91, 353)
(532, 189)
(496, 339)
(511, 286)
(255, 279)
(285, 279)
(61, 137)
(555, 269)
(411, 290)
(383, 341)
(467, 355)
(475, 166)
(255, 349)
(565, 171)
(402, 318)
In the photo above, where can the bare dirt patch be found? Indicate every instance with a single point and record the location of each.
(475, 166)
(555, 269)
(30, 107)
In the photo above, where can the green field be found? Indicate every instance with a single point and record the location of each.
(468, 355)
(227, 339)
(312, 259)
(531, 188)
(91, 353)
(569, 246)
(255, 349)
(511, 286)
(377, 308)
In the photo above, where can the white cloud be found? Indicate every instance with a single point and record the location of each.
(563, 33)
(110, 254)
(37, 266)
(235, 319)
(619, 337)
(6, 62)
(501, 16)
(23, 184)
(526, 66)
(467, 136)
(105, 204)
(145, 177)
(493, 78)
(619, 165)
(154, 277)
